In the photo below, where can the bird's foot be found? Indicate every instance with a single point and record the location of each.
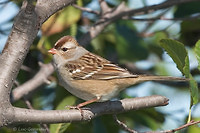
(76, 107)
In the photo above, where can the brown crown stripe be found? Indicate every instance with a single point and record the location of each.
(63, 40)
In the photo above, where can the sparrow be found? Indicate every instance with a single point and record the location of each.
(91, 77)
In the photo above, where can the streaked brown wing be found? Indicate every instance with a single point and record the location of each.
(91, 66)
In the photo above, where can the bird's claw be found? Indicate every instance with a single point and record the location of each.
(76, 107)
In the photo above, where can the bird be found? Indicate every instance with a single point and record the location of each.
(91, 77)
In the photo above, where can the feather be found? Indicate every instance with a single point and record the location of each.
(91, 66)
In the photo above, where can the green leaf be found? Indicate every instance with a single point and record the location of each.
(186, 68)
(70, 100)
(62, 127)
(197, 51)
(178, 53)
(73, 29)
(61, 20)
(194, 90)
(59, 128)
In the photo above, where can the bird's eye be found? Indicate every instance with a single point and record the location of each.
(64, 49)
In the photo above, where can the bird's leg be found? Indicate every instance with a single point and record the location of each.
(88, 102)
(83, 104)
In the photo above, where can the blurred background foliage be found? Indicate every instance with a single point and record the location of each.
(123, 42)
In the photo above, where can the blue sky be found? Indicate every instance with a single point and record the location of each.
(7, 12)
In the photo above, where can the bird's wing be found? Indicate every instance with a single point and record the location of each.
(91, 66)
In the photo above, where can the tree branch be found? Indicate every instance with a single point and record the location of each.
(104, 7)
(101, 24)
(89, 112)
(85, 9)
(126, 128)
(163, 18)
(123, 125)
(121, 11)
(28, 104)
(45, 71)
(15, 50)
(150, 9)
(44, 12)
(192, 122)
(24, 30)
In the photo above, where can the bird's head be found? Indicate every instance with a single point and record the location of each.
(65, 47)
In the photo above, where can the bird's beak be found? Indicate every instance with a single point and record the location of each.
(52, 51)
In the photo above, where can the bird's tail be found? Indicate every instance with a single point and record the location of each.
(143, 78)
(124, 83)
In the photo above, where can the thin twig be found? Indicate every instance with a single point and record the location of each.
(31, 85)
(28, 69)
(120, 12)
(151, 23)
(192, 122)
(123, 125)
(126, 128)
(163, 18)
(28, 103)
(144, 10)
(85, 9)
(104, 7)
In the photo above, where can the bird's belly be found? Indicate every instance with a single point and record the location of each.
(68, 84)
(77, 91)
(87, 90)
